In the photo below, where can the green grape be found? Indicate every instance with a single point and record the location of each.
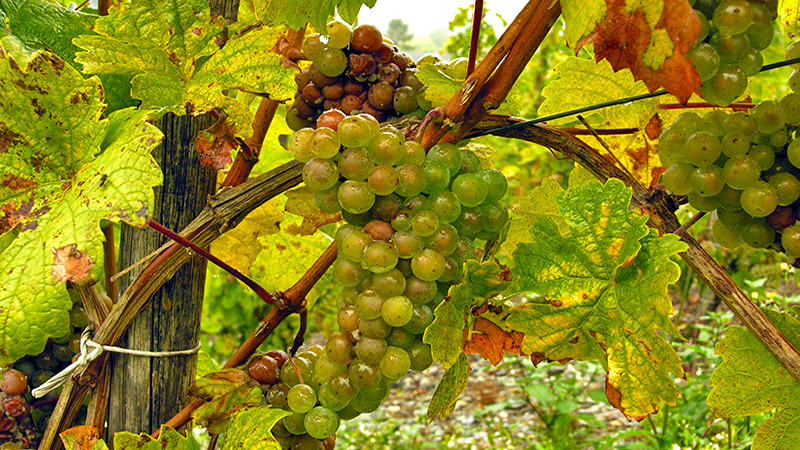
(445, 239)
(356, 197)
(320, 174)
(741, 171)
(691, 122)
(370, 350)
(354, 131)
(794, 81)
(374, 328)
(793, 153)
(425, 223)
(496, 184)
(735, 143)
(378, 392)
(330, 400)
(495, 217)
(733, 16)
(677, 179)
(733, 219)
(705, 27)
(470, 189)
(338, 34)
(752, 62)
(347, 319)
(362, 374)
(379, 257)
(702, 149)
(726, 86)
(470, 162)
(415, 153)
(339, 348)
(401, 221)
(328, 200)
(701, 203)
(421, 317)
(470, 222)
(437, 177)
(312, 45)
(368, 305)
(397, 311)
(331, 62)
(420, 291)
(447, 154)
(383, 180)
(300, 144)
(446, 206)
(395, 363)
(348, 273)
(731, 48)
(672, 140)
(321, 422)
(790, 240)
(779, 138)
(407, 243)
(757, 234)
(387, 148)
(349, 412)
(764, 155)
(78, 317)
(769, 116)
(707, 181)
(325, 368)
(390, 283)
(415, 205)
(729, 199)
(726, 236)
(420, 355)
(760, 34)
(428, 265)
(705, 59)
(355, 164)
(790, 103)
(325, 143)
(353, 244)
(386, 207)
(740, 122)
(759, 200)
(405, 100)
(792, 52)
(364, 405)
(301, 398)
(786, 186)
(400, 338)
(411, 180)
(294, 423)
(464, 250)
(342, 387)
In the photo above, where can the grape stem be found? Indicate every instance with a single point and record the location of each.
(294, 366)
(474, 40)
(109, 262)
(689, 223)
(659, 207)
(301, 331)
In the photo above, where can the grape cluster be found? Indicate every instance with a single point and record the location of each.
(732, 35)
(354, 70)
(412, 219)
(744, 166)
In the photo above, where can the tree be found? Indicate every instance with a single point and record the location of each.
(424, 265)
(397, 31)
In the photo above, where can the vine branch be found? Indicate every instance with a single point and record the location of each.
(474, 39)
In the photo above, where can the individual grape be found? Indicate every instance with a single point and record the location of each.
(729, 199)
(290, 376)
(726, 236)
(446, 205)
(312, 95)
(764, 155)
(733, 219)
(330, 400)
(420, 355)
(78, 317)
(790, 240)
(470, 189)
(793, 153)
(401, 221)
(364, 405)
(421, 317)
(263, 369)
(370, 350)
(702, 149)
(401, 338)
(362, 374)
(331, 62)
(735, 143)
(726, 86)
(328, 200)
(339, 348)
(312, 45)
(389, 284)
(407, 243)
(782, 217)
(397, 311)
(368, 305)
(470, 222)
(415, 153)
(62, 353)
(677, 178)
(447, 154)
(445, 239)
(381, 96)
(279, 356)
(348, 273)
(355, 164)
(374, 328)
(386, 207)
(760, 34)
(14, 382)
(320, 174)
(757, 234)
(366, 39)
(325, 143)
(420, 291)
(670, 144)
(731, 49)
(741, 171)
(411, 180)
(338, 34)
(383, 180)
(45, 360)
(437, 177)
(733, 16)
(708, 180)
(301, 398)
(769, 116)
(752, 62)
(428, 265)
(300, 144)
(379, 230)
(496, 184)
(691, 122)
(395, 363)
(354, 131)
(760, 199)
(295, 423)
(348, 319)
(353, 244)
(379, 257)
(356, 197)
(387, 148)
(495, 216)
(701, 203)
(405, 100)
(786, 186)
(470, 162)
(464, 250)
(705, 60)
(793, 52)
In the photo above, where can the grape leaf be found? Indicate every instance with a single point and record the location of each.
(82, 437)
(224, 392)
(172, 51)
(789, 12)
(300, 202)
(650, 38)
(65, 169)
(168, 439)
(452, 316)
(251, 429)
(582, 83)
(316, 12)
(441, 88)
(452, 384)
(538, 201)
(750, 381)
(240, 247)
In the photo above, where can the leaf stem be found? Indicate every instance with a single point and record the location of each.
(474, 43)
(249, 282)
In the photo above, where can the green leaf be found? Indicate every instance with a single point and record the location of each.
(751, 381)
(206, 364)
(65, 169)
(300, 202)
(583, 82)
(453, 383)
(316, 12)
(224, 392)
(480, 283)
(605, 282)
(789, 12)
(581, 18)
(168, 439)
(171, 49)
(32, 25)
(539, 201)
(441, 88)
(240, 247)
(251, 429)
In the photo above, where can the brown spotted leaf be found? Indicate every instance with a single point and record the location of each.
(225, 393)
(65, 169)
(300, 202)
(215, 143)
